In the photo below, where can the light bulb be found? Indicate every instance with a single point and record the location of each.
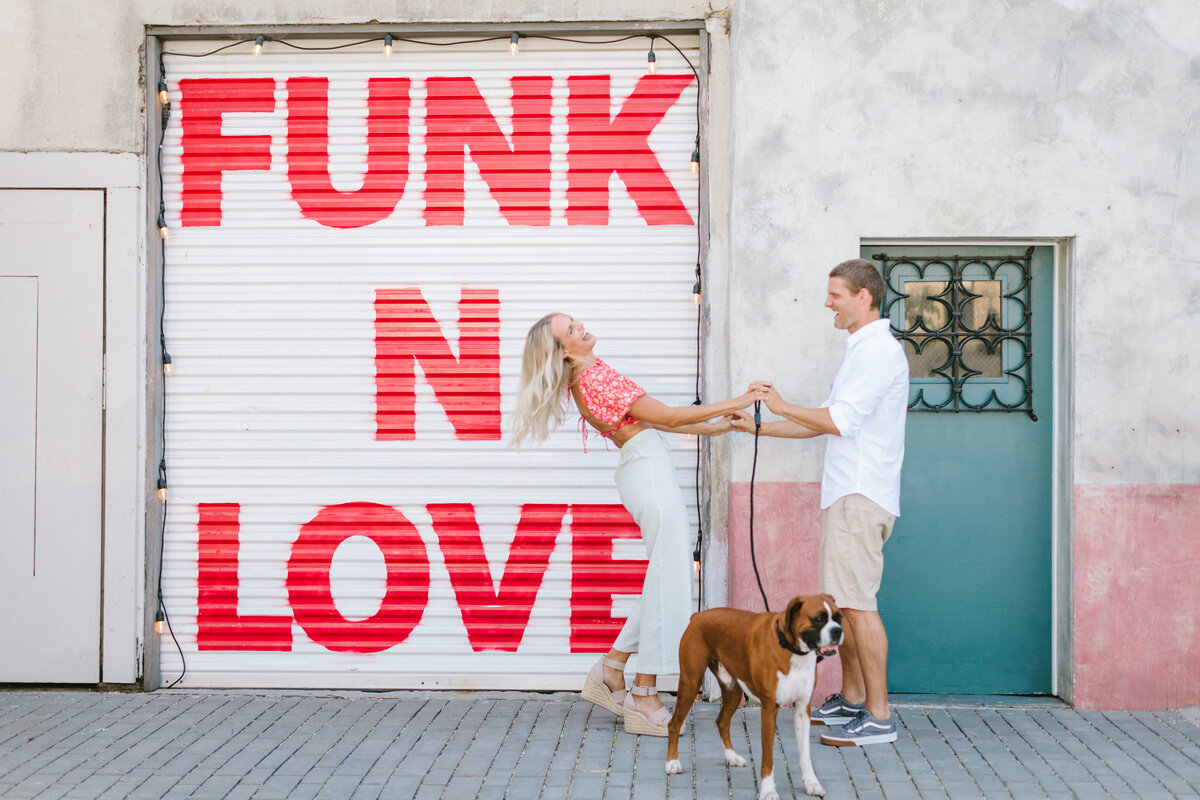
(387, 46)
(159, 623)
(166, 359)
(696, 162)
(163, 230)
(162, 493)
(164, 96)
(696, 560)
(696, 292)
(513, 44)
(258, 46)
(651, 61)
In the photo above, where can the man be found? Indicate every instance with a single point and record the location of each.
(860, 492)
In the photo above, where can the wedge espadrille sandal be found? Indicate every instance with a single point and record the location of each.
(640, 724)
(595, 691)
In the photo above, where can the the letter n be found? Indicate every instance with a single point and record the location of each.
(467, 387)
(458, 120)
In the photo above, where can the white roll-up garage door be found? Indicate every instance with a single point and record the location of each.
(358, 246)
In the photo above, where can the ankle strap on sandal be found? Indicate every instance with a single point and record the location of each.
(643, 691)
(613, 664)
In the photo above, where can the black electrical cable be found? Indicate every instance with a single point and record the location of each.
(166, 359)
(697, 555)
(328, 47)
(162, 73)
(754, 469)
(587, 41)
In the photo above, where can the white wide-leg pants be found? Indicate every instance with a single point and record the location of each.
(646, 484)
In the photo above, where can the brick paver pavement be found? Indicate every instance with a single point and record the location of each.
(211, 745)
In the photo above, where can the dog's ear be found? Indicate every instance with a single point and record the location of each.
(793, 611)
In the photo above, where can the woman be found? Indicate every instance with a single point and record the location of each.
(558, 362)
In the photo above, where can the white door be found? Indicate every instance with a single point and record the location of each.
(51, 416)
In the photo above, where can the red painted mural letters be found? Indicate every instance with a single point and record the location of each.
(219, 626)
(467, 387)
(308, 153)
(596, 576)
(496, 619)
(311, 594)
(207, 153)
(598, 146)
(458, 119)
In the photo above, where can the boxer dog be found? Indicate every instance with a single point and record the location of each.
(772, 657)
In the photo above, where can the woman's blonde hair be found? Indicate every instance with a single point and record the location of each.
(545, 383)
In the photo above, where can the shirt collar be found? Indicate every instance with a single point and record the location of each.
(869, 330)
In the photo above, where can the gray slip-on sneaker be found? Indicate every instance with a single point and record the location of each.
(863, 729)
(834, 711)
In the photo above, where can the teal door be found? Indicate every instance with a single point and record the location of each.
(966, 593)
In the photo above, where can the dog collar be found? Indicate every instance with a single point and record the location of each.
(791, 648)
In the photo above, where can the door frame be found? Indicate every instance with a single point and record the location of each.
(123, 477)
(1062, 661)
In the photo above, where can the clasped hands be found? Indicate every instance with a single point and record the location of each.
(760, 391)
(741, 419)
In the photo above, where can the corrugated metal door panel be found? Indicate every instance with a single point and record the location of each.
(326, 529)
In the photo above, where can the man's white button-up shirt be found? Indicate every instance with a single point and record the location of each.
(868, 404)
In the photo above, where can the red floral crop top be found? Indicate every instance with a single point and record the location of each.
(608, 395)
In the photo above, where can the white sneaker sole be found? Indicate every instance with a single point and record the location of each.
(858, 741)
(830, 720)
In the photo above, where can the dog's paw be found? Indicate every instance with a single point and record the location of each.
(767, 790)
(675, 768)
(733, 759)
(814, 788)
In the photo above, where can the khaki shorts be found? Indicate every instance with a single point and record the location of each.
(853, 531)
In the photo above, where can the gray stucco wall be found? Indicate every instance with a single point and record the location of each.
(886, 119)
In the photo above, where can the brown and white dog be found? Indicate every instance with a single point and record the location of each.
(772, 657)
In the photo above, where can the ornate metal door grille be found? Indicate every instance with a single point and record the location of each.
(965, 325)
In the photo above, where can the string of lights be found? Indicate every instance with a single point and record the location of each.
(388, 42)
(161, 618)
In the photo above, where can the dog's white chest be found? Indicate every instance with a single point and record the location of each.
(797, 683)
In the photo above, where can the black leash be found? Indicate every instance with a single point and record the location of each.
(783, 642)
(753, 470)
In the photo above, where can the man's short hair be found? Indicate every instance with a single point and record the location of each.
(861, 274)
